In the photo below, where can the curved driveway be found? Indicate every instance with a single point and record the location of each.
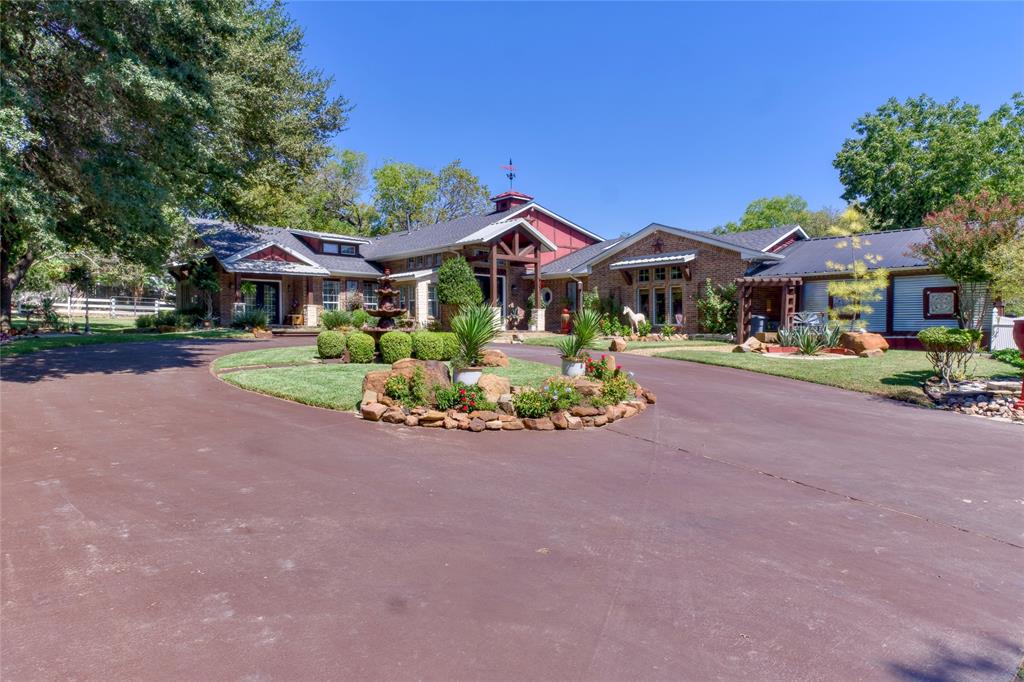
(158, 523)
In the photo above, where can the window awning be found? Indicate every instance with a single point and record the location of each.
(674, 258)
(413, 275)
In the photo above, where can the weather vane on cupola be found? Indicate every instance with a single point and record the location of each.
(510, 172)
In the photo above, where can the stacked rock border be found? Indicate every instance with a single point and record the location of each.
(990, 398)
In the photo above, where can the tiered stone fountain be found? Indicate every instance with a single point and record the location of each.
(387, 309)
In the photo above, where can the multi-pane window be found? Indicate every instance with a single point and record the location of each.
(410, 263)
(407, 299)
(432, 300)
(370, 295)
(437, 259)
(332, 294)
(331, 247)
(643, 302)
(570, 295)
(658, 310)
(659, 274)
(676, 272)
(643, 275)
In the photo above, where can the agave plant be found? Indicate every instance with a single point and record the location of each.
(474, 328)
(586, 325)
(808, 340)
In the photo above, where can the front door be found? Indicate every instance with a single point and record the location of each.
(485, 286)
(267, 297)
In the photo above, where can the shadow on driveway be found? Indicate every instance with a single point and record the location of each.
(115, 358)
(946, 665)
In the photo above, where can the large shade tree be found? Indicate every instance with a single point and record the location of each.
(118, 118)
(912, 158)
(777, 211)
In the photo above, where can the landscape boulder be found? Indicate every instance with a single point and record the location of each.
(539, 424)
(871, 353)
(435, 371)
(374, 382)
(494, 387)
(861, 341)
(494, 358)
(618, 344)
(394, 416)
(373, 411)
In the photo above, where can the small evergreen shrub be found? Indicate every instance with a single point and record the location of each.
(360, 318)
(950, 351)
(145, 322)
(643, 328)
(531, 404)
(361, 347)
(395, 346)
(335, 319)
(330, 344)
(457, 285)
(449, 345)
(428, 345)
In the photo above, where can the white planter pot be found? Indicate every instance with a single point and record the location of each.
(467, 375)
(571, 367)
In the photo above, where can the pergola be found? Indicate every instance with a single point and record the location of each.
(788, 285)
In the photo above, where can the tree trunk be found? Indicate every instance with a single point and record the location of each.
(10, 277)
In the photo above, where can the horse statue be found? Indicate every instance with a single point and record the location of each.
(634, 318)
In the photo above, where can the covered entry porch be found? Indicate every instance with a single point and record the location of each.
(775, 300)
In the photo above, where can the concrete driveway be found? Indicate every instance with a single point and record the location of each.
(160, 524)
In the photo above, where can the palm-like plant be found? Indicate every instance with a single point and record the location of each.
(474, 328)
(586, 325)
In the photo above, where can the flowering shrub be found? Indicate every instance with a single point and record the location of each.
(462, 398)
(643, 328)
(617, 388)
(562, 394)
(600, 369)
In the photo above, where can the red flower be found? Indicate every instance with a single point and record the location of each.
(618, 367)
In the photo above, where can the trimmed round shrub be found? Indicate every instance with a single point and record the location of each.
(449, 345)
(361, 318)
(330, 344)
(427, 345)
(395, 346)
(360, 347)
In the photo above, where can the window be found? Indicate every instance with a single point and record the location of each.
(407, 299)
(678, 316)
(643, 275)
(411, 263)
(659, 274)
(676, 272)
(331, 247)
(437, 259)
(332, 294)
(432, 300)
(940, 303)
(370, 295)
(351, 287)
(546, 296)
(348, 250)
(570, 295)
(643, 302)
(658, 311)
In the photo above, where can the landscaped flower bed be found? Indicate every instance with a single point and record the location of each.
(420, 393)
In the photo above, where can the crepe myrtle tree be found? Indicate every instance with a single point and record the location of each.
(961, 244)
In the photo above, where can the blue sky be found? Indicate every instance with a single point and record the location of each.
(618, 115)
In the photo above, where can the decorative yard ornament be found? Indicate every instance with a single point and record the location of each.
(510, 172)
(658, 245)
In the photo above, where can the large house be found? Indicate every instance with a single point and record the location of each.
(658, 271)
(297, 273)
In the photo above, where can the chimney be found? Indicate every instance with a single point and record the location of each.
(510, 199)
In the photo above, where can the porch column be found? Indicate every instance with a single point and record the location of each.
(743, 318)
(494, 274)
(238, 288)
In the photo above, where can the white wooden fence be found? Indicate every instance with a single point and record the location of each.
(118, 306)
(1002, 331)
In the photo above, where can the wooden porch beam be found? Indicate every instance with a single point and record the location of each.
(494, 273)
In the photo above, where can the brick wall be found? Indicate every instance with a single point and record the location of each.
(721, 265)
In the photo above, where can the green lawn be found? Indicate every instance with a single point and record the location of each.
(295, 355)
(897, 374)
(98, 324)
(602, 344)
(32, 345)
(334, 386)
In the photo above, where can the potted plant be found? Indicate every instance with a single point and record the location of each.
(474, 328)
(586, 326)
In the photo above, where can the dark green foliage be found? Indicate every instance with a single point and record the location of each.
(950, 351)
(361, 347)
(618, 388)
(446, 397)
(586, 325)
(1011, 356)
(330, 344)
(716, 307)
(643, 328)
(532, 404)
(335, 319)
(427, 345)
(255, 318)
(456, 284)
(122, 116)
(145, 322)
(395, 346)
(449, 345)
(421, 392)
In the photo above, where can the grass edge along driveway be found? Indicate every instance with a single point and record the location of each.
(23, 346)
(898, 374)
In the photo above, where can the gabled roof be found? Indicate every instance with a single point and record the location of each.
(577, 262)
(230, 243)
(760, 240)
(501, 227)
(809, 256)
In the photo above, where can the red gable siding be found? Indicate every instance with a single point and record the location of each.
(565, 237)
(273, 253)
(788, 241)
